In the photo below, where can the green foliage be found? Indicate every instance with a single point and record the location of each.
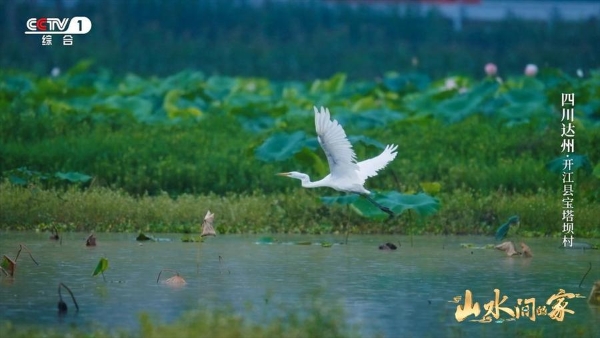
(281, 146)
(114, 138)
(101, 267)
(310, 319)
(557, 165)
(299, 211)
(421, 203)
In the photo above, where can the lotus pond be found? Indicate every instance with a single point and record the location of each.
(406, 292)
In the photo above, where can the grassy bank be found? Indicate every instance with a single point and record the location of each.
(322, 320)
(297, 211)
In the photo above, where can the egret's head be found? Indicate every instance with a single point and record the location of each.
(295, 174)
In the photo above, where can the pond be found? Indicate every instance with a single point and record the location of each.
(407, 292)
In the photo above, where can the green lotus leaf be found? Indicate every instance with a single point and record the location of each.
(138, 107)
(474, 101)
(308, 158)
(177, 106)
(101, 267)
(335, 84)
(369, 119)
(342, 199)
(17, 180)
(557, 165)
(218, 87)
(257, 124)
(365, 140)
(421, 203)
(74, 177)
(281, 146)
(409, 82)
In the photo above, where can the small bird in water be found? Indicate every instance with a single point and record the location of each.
(503, 229)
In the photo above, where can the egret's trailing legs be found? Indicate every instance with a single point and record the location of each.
(381, 207)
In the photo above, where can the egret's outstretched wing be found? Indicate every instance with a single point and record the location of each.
(369, 168)
(335, 144)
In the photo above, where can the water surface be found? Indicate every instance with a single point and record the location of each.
(407, 292)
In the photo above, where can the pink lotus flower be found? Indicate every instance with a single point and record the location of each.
(531, 70)
(491, 69)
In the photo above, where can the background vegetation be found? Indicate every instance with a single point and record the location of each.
(87, 150)
(295, 40)
(119, 119)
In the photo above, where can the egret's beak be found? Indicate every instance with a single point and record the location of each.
(283, 174)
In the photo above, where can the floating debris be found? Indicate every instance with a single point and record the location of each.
(191, 239)
(303, 243)
(8, 266)
(266, 240)
(55, 236)
(580, 245)
(594, 298)
(526, 250)
(473, 246)
(207, 225)
(91, 240)
(176, 280)
(508, 247)
(142, 237)
(388, 247)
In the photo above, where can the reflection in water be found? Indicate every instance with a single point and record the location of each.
(405, 292)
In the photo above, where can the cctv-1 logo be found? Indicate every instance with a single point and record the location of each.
(74, 25)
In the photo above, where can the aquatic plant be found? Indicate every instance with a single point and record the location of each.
(101, 267)
(8, 265)
(62, 306)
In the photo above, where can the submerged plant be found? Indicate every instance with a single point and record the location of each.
(62, 306)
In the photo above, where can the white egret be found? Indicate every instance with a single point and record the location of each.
(346, 175)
